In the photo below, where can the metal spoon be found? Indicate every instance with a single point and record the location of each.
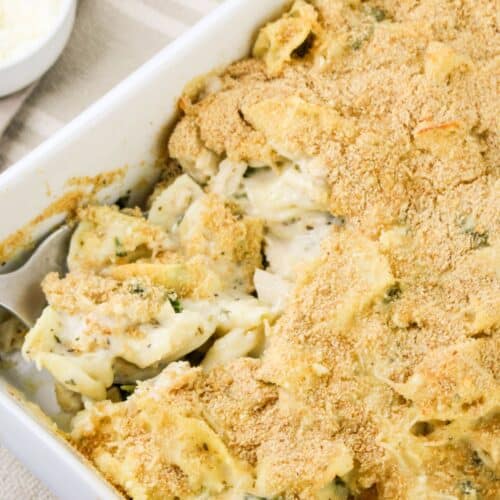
(20, 290)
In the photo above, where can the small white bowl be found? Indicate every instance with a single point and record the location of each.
(28, 67)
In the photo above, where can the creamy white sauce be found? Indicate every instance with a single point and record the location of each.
(294, 207)
(290, 246)
(79, 349)
(23, 23)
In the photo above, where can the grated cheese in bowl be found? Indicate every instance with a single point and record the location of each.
(23, 23)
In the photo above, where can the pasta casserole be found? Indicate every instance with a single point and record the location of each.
(309, 305)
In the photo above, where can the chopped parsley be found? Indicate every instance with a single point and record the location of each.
(476, 459)
(479, 239)
(137, 288)
(467, 488)
(119, 250)
(124, 391)
(378, 14)
(392, 293)
(358, 42)
(57, 339)
(128, 388)
(356, 45)
(174, 302)
(70, 382)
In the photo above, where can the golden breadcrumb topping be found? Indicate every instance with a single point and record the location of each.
(230, 240)
(380, 379)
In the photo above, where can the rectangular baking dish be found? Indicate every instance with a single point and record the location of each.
(121, 132)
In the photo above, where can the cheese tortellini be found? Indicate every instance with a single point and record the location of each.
(146, 290)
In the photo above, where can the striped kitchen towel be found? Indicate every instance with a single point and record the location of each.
(10, 105)
(111, 39)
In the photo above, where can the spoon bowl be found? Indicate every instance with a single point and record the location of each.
(20, 290)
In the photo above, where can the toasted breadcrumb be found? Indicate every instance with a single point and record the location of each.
(381, 376)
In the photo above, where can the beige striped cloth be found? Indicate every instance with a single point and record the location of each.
(111, 39)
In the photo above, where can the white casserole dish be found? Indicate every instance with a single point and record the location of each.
(121, 130)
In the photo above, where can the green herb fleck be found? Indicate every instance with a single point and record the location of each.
(124, 391)
(137, 288)
(356, 45)
(358, 42)
(392, 293)
(70, 382)
(128, 388)
(479, 239)
(57, 339)
(176, 305)
(378, 14)
(476, 459)
(467, 488)
(119, 250)
(174, 302)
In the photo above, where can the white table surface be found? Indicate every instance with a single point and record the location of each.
(111, 38)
